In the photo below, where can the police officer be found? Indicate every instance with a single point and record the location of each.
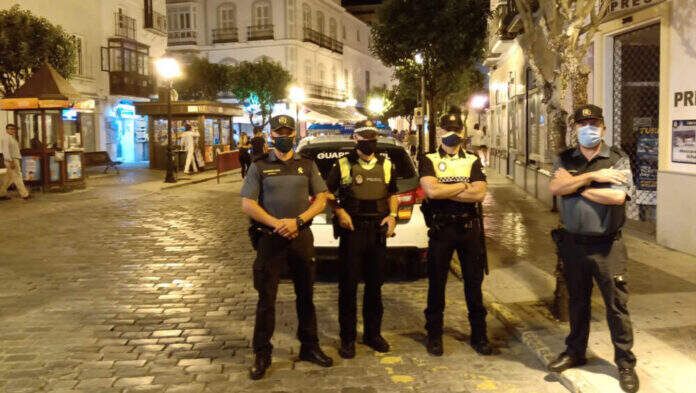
(594, 181)
(365, 213)
(454, 182)
(275, 195)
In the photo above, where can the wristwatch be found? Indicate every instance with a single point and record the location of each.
(395, 215)
(300, 222)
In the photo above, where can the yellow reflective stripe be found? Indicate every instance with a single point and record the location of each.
(344, 166)
(387, 166)
(367, 165)
(455, 169)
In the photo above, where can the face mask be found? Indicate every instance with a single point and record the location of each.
(451, 140)
(367, 146)
(283, 143)
(589, 136)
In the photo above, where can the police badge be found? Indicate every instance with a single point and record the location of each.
(442, 166)
(359, 179)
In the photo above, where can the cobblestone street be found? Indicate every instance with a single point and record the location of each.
(118, 288)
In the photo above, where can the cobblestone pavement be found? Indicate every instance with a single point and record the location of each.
(117, 288)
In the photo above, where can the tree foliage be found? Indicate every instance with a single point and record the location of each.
(203, 80)
(450, 34)
(26, 42)
(556, 39)
(404, 94)
(259, 85)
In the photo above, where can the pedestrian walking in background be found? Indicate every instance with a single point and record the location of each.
(244, 153)
(593, 182)
(413, 142)
(365, 207)
(259, 147)
(276, 197)
(13, 163)
(480, 143)
(454, 182)
(189, 145)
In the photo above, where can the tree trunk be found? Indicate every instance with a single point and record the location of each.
(580, 82)
(556, 128)
(432, 140)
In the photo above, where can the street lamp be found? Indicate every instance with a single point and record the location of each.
(168, 69)
(420, 60)
(297, 96)
(376, 105)
(477, 103)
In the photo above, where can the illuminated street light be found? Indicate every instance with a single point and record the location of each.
(168, 69)
(297, 95)
(478, 101)
(418, 58)
(376, 105)
(351, 102)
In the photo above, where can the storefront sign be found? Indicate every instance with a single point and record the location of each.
(684, 98)
(74, 166)
(684, 141)
(624, 5)
(646, 153)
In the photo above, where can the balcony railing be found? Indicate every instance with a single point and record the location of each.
(322, 40)
(182, 37)
(227, 34)
(156, 23)
(124, 26)
(320, 91)
(256, 33)
(130, 84)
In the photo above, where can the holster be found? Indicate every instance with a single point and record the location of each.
(257, 230)
(557, 236)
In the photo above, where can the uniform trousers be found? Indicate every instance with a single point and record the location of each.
(362, 250)
(605, 262)
(465, 240)
(273, 253)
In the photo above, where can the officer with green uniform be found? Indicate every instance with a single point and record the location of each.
(365, 209)
(454, 183)
(276, 196)
(593, 182)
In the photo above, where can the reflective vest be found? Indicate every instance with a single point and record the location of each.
(455, 169)
(365, 182)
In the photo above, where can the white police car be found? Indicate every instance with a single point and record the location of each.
(406, 251)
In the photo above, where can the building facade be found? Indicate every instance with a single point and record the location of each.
(325, 48)
(116, 42)
(641, 60)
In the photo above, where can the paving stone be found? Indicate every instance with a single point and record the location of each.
(133, 381)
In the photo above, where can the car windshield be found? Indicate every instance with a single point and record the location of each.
(326, 154)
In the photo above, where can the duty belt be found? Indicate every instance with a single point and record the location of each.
(465, 220)
(592, 239)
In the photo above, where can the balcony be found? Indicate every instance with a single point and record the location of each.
(322, 40)
(182, 37)
(130, 84)
(227, 34)
(323, 92)
(156, 23)
(257, 33)
(124, 26)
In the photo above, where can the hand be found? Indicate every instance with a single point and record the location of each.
(288, 228)
(609, 176)
(391, 225)
(344, 220)
(10, 164)
(562, 173)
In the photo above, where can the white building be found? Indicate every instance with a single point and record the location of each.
(116, 42)
(325, 48)
(642, 63)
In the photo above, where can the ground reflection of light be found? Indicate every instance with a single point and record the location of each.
(182, 283)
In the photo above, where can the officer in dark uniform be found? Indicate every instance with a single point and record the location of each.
(275, 195)
(594, 181)
(365, 215)
(258, 144)
(454, 182)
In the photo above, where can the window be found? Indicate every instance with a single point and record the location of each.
(343, 33)
(306, 16)
(346, 81)
(126, 56)
(322, 74)
(333, 29)
(357, 34)
(79, 55)
(367, 80)
(262, 13)
(320, 22)
(227, 16)
(181, 17)
(334, 77)
(308, 71)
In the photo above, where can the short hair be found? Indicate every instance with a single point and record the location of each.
(187, 127)
(10, 125)
(476, 126)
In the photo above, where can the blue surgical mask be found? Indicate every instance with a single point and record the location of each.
(589, 136)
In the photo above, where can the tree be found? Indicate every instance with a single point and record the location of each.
(449, 34)
(28, 41)
(203, 80)
(556, 39)
(404, 96)
(259, 85)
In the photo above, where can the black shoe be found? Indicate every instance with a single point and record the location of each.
(482, 347)
(564, 362)
(316, 356)
(261, 364)
(628, 379)
(5, 198)
(434, 346)
(378, 343)
(347, 350)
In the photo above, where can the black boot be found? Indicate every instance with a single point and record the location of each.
(347, 350)
(628, 379)
(483, 347)
(314, 354)
(434, 345)
(261, 364)
(564, 362)
(376, 342)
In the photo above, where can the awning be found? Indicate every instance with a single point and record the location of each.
(45, 88)
(332, 114)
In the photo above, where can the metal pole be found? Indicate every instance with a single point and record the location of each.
(421, 127)
(170, 178)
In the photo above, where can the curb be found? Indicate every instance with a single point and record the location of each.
(201, 180)
(529, 337)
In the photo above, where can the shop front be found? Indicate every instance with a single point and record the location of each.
(126, 133)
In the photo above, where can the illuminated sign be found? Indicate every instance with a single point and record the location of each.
(69, 114)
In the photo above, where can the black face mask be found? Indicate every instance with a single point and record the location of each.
(283, 143)
(367, 146)
(452, 140)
